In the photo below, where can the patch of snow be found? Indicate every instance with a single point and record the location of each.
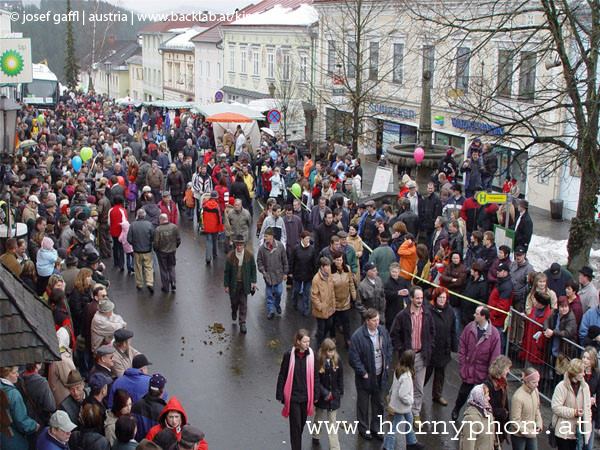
(183, 40)
(278, 15)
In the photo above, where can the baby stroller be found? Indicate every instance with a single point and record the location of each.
(203, 199)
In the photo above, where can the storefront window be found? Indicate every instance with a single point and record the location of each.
(511, 163)
(450, 140)
(338, 126)
(408, 134)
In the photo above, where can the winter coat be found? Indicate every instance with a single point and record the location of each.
(141, 236)
(212, 217)
(127, 248)
(445, 341)
(345, 290)
(593, 382)
(35, 390)
(473, 175)
(401, 393)
(411, 220)
(315, 217)
(564, 406)
(170, 210)
(122, 361)
(293, 228)
(46, 259)
(469, 213)
(408, 259)
(456, 242)
(485, 439)
(501, 298)
(331, 383)
(103, 329)
(58, 374)
(322, 296)
(371, 295)
(477, 289)
(523, 231)
(451, 272)
(431, 207)
(45, 441)
(22, 425)
(530, 298)
(133, 381)
(278, 226)
(453, 204)
(518, 275)
(498, 401)
(299, 383)
(153, 213)
(166, 238)
(231, 271)
(567, 328)
(303, 262)
(86, 439)
(116, 216)
(361, 357)
(590, 318)
(395, 303)
(109, 426)
(401, 333)
(239, 223)
(323, 234)
(525, 409)
(475, 355)
(239, 189)
(383, 256)
(147, 411)
(154, 179)
(588, 296)
(272, 262)
(77, 303)
(176, 183)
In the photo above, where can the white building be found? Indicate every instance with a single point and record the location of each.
(136, 77)
(208, 60)
(178, 66)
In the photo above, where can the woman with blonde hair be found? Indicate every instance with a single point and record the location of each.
(525, 415)
(331, 380)
(498, 390)
(572, 408)
(80, 297)
(345, 294)
(357, 244)
(592, 378)
(540, 284)
(327, 192)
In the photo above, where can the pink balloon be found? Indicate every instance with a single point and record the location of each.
(419, 155)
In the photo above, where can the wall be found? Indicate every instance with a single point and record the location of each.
(208, 60)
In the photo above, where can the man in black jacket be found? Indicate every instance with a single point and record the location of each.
(325, 231)
(407, 215)
(302, 270)
(415, 317)
(148, 408)
(141, 238)
(431, 207)
(524, 226)
(370, 355)
(490, 166)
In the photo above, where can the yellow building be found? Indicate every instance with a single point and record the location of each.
(110, 75)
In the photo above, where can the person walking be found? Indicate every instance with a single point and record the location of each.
(141, 238)
(345, 294)
(103, 208)
(322, 297)
(480, 417)
(302, 270)
(166, 241)
(298, 385)
(446, 343)
(524, 226)
(369, 356)
(272, 263)
(240, 280)
(331, 380)
(371, 293)
(401, 399)
(383, 256)
(413, 328)
(525, 412)
(212, 219)
(479, 346)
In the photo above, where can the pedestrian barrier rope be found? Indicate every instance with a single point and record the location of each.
(477, 302)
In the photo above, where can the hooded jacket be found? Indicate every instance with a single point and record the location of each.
(21, 425)
(172, 405)
(133, 381)
(212, 216)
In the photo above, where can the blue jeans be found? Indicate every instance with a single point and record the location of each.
(130, 267)
(211, 246)
(521, 443)
(407, 430)
(302, 288)
(274, 296)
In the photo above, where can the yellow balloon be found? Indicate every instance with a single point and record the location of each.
(86, 153)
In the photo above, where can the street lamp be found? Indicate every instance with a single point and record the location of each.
(108, 65)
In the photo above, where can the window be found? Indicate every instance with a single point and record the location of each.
(287, 63)
(270, 64)
(255, 62)
(159, 79)
(543, 176)
(429, 60)
(398, 73)
(303, 68)
(527, 76)
(351, 59)
(190, 76)
(243, 57)
(331, 59)
(231, 58)
(373, 60)
(505, 71)
(463, 57)
(177, 73)
(218, 70)
(199, 68)
(208, 68)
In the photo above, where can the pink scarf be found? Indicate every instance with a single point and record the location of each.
(310, 383)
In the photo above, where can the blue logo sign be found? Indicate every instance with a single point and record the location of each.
(477, 127)
(392, 111)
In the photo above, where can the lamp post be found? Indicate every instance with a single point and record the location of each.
(108, 65)
(8, 127)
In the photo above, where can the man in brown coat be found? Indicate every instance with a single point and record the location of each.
(322, 297)
(9, 258)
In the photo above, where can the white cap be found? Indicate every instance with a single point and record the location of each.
(60, 419)
(33, 198)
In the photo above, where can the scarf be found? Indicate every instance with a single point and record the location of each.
(477, 399)
(310, 382)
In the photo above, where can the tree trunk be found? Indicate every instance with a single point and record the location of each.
(584, 228)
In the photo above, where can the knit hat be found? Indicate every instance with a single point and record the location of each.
(47, 243)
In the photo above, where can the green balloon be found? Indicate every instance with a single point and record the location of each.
(296, 190)
(86, 153)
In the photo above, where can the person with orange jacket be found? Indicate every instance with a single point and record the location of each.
(408, 256)
(212, 218)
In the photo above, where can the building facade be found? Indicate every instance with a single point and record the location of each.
(178, 66)
(136, 77)
(110, 75)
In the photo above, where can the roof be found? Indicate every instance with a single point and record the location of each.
(167, 26)
(244, 92)
(27, 333)
(301, 14)
(182, 41)
(120, 52)
(135, 59)
(216, 108)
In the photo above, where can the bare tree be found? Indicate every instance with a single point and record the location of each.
(534, 72)
(357, 65)
(289, 90)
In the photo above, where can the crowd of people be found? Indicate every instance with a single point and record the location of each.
(424, 273)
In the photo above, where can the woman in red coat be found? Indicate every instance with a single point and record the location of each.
(534, 341)
(223, 192)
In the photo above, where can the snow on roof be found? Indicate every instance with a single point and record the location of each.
(183, 40)
(278, 15)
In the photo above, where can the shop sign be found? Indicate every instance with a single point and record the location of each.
(378, 108)
(477, 127)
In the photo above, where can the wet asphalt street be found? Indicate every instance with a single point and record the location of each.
(225, 380)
